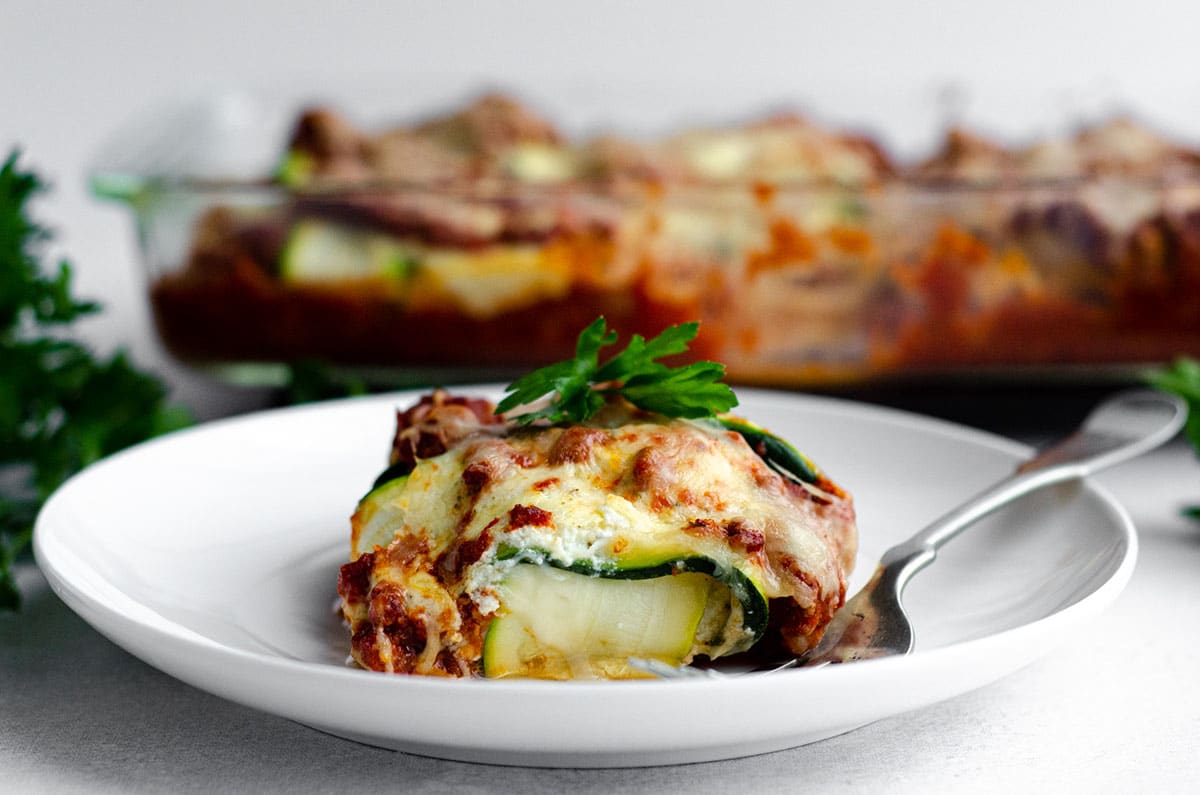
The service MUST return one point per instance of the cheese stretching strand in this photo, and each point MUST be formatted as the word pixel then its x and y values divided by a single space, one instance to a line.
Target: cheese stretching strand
pixel 559 552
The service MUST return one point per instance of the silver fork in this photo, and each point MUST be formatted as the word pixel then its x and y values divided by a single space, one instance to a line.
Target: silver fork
pixel 874 624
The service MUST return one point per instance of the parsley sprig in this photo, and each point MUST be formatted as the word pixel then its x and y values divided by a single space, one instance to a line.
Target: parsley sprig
pixel 61 407
pixel 1182 378
pixel 577 387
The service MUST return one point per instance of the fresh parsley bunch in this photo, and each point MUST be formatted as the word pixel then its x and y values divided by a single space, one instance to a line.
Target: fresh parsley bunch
pixel 577 387
pixel 61 408
pixel 1183 378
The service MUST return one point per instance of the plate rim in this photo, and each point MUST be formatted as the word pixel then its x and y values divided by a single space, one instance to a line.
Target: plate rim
pixel 112 619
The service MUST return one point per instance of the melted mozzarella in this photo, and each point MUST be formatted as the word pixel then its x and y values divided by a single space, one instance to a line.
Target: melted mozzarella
pixel 629 504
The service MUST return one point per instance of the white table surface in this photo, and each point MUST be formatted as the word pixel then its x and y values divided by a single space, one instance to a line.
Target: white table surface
pixel 1115 708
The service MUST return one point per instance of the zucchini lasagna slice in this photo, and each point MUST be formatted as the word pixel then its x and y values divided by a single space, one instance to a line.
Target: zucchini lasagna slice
pixel 562 551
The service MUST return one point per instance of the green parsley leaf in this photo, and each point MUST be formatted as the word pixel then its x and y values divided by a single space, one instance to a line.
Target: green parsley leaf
pixel 576 388
pixel 1183 378
pixel 569 382
pixel 311 380
pixel 61 407
pixel 639 355
pixel 693 391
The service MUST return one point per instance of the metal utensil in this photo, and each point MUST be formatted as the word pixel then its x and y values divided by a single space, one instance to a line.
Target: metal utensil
pixel 874 624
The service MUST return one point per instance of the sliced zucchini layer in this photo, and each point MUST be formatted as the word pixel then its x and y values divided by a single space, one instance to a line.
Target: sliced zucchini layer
pixel 672 611
pixel 774 450
pixel 295 169
pixel 482 282
pixel 558 624
pixel 394 471
pixel 375 519
pixel 320 252
pixel 743 588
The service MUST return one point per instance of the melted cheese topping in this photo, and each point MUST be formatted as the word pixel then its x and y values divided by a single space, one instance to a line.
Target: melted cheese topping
pixel 606 511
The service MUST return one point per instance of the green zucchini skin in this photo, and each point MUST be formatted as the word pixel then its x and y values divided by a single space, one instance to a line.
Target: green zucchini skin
pixel 774 450
pixel 392 478
pixel 755 611
pixel 294 169
pixel 399 470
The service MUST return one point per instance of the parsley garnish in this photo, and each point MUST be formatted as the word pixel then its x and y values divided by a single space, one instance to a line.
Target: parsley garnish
pixel 1183 378
pixel 577 387
pixel 61 408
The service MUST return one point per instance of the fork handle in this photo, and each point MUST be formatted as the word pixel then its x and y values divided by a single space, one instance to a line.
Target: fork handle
pixel 1125 426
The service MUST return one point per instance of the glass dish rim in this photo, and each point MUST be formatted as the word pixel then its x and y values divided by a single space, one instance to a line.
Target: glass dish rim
pixel 129 186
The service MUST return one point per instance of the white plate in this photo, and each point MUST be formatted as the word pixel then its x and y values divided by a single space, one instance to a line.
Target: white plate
pixel 213 555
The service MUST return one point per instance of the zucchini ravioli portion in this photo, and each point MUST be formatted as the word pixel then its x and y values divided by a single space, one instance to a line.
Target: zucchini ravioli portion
pixel 562 551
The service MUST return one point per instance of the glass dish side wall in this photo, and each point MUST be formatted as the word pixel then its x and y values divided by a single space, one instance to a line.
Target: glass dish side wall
pixel 794 286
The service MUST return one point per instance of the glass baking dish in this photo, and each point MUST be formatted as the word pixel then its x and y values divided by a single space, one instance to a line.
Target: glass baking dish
pixel 901 274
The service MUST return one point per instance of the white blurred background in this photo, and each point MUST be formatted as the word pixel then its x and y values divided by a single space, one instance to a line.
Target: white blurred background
pixel 71 73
